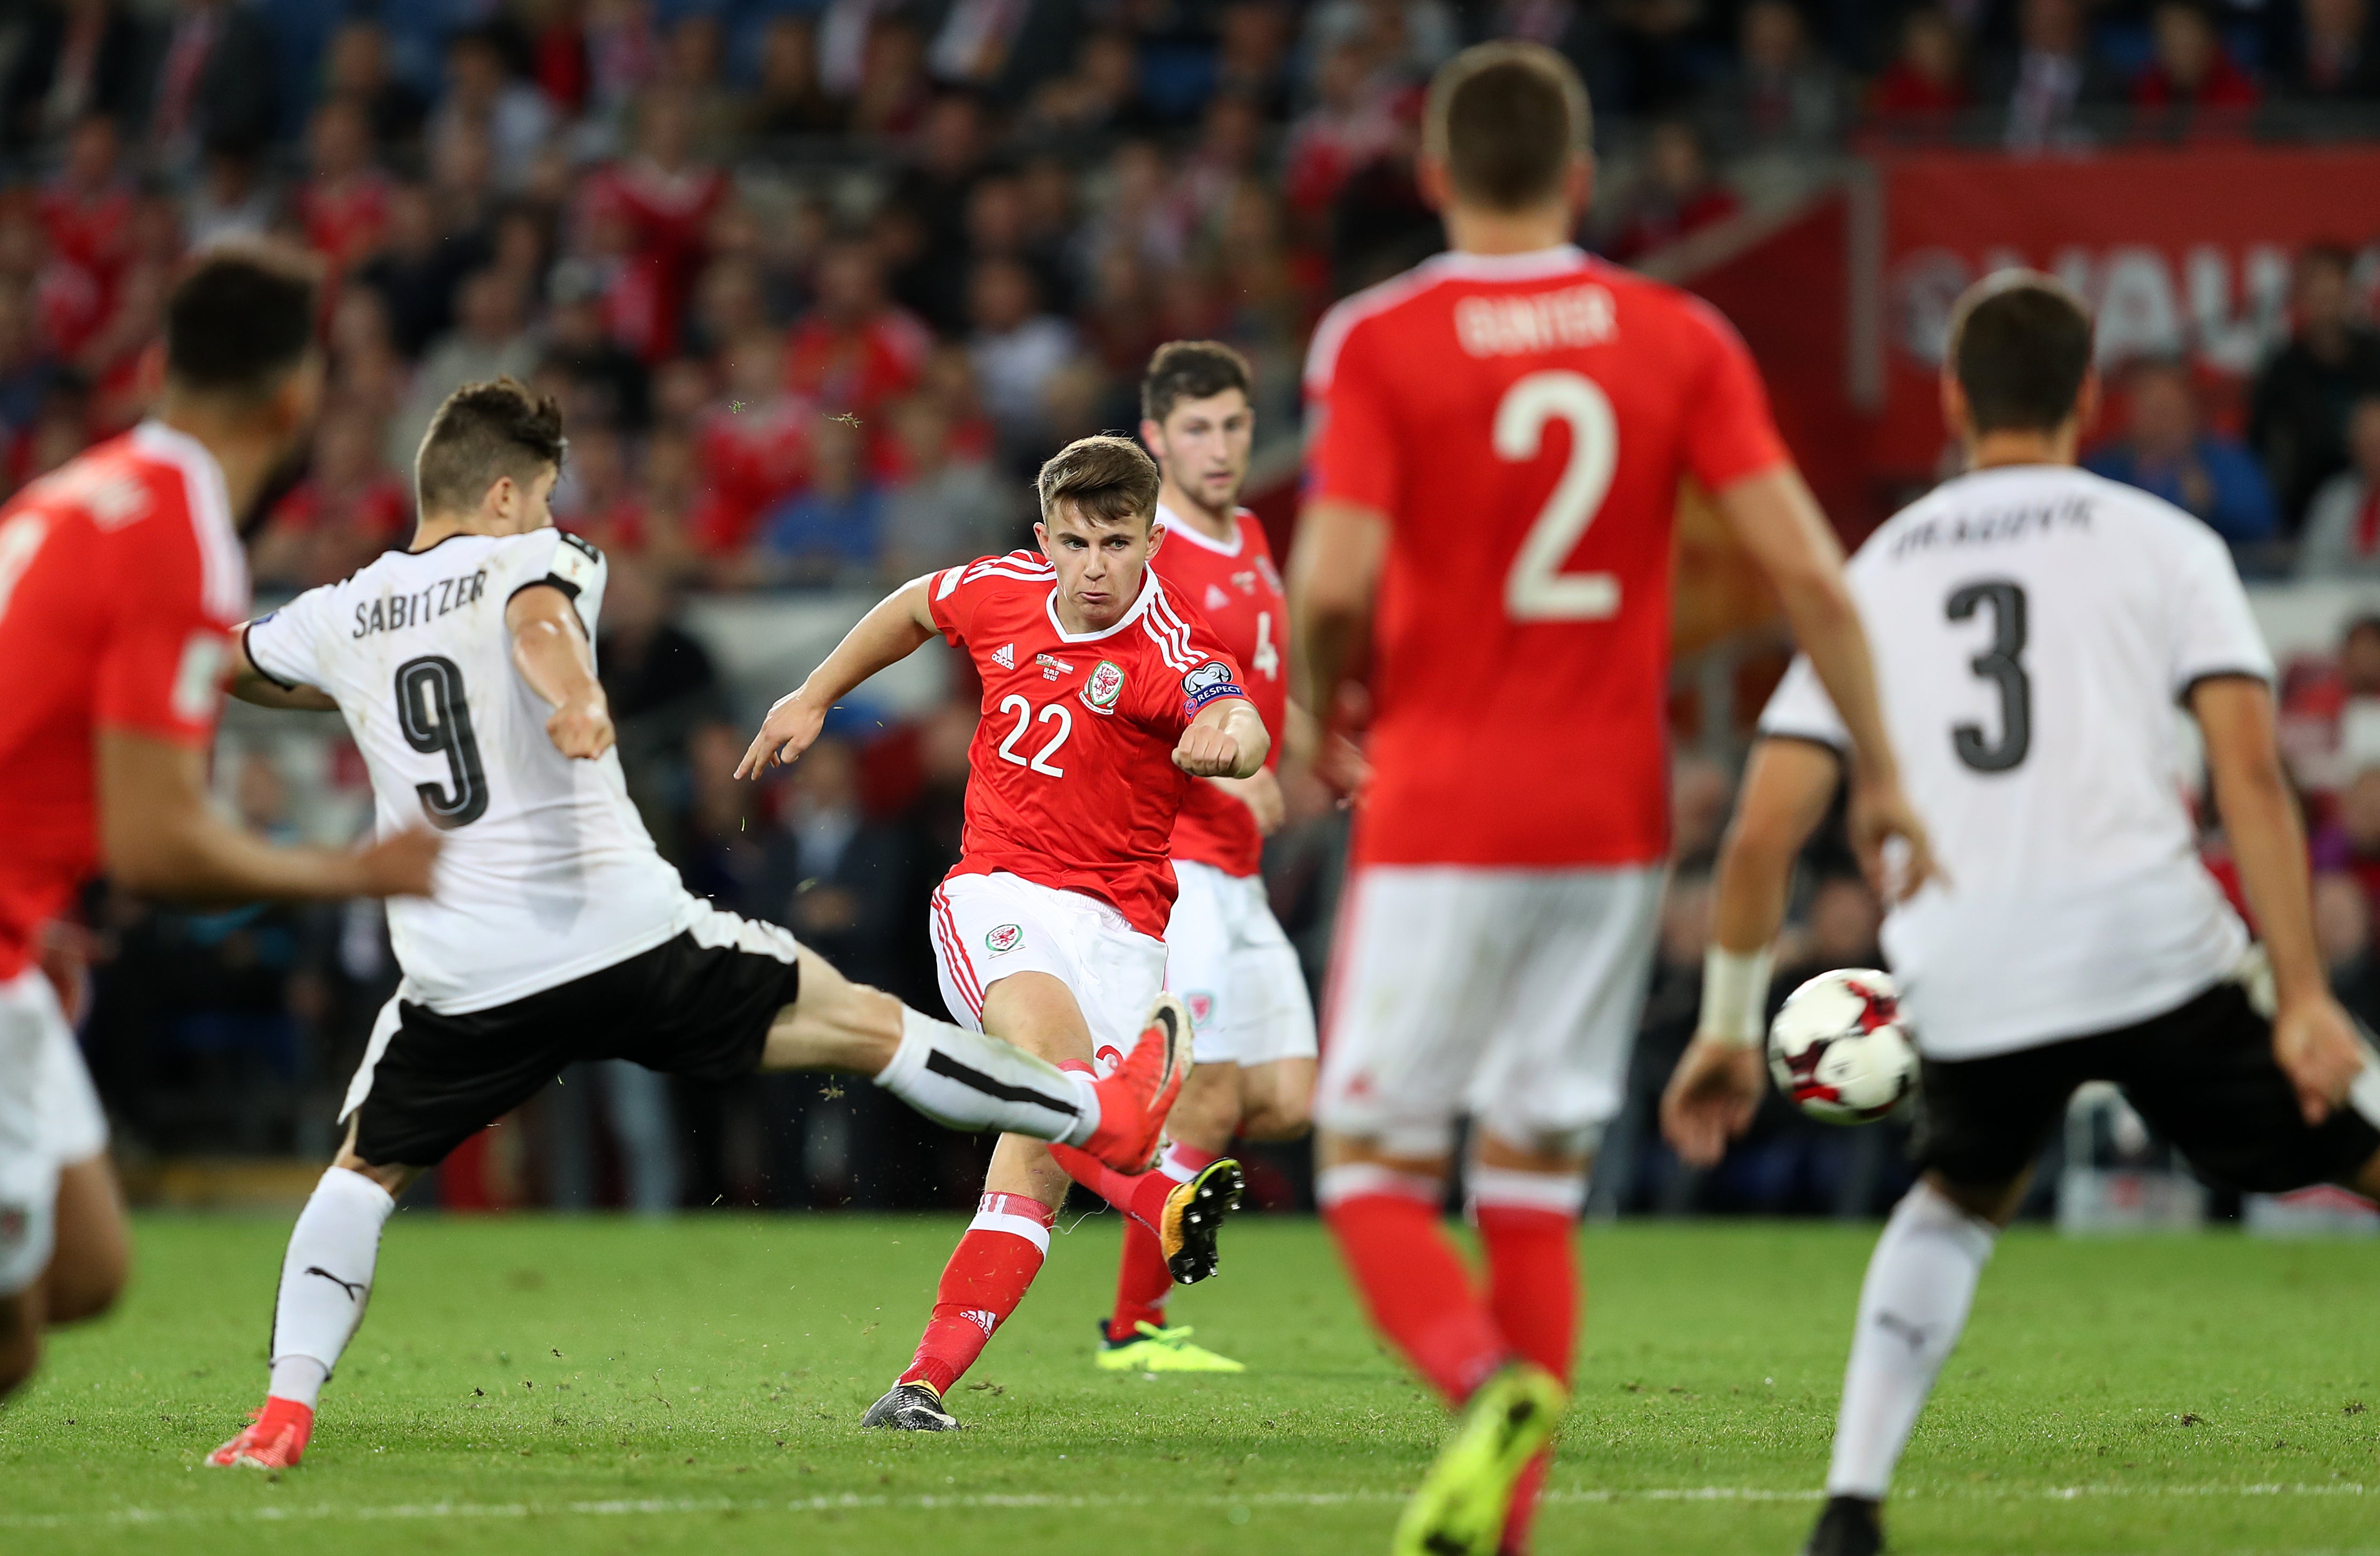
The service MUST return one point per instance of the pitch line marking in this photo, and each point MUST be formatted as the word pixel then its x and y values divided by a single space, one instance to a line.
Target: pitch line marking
pixel 626 1507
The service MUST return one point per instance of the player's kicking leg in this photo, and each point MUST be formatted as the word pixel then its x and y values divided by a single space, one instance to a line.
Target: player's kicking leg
pixel 1053 975
pixel 708 1003
pixel 1254 1078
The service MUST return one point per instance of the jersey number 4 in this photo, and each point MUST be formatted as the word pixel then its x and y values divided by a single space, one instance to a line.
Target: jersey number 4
pixel 435 717
pixel 1537 589
pixel 2003 665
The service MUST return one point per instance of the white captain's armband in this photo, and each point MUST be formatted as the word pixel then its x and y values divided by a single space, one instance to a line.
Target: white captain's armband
pixel 576 565
pixel 1735 995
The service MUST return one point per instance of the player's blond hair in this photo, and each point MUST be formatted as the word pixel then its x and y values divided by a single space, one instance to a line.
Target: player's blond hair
pixel 1506 119
pixel 1105 479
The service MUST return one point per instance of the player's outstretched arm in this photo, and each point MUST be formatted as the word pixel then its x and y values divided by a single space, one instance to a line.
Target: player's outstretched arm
pixel 901 624
pixel 1778 522
pixel 2312 1037
pixel 1716 1089
pixel 1334 573
pixel 1226 740
pixel 159 836
pixel 252 684
pixel 550 651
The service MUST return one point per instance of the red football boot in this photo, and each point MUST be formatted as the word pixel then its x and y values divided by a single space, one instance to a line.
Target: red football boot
pixel 274 1439
pixel 1134 1099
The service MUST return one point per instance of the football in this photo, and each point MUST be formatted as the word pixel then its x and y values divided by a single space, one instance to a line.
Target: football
pixel 1837 1049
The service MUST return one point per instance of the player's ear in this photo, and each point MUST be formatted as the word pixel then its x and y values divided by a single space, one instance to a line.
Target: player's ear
pixel 1041 539
pixel 1150 434
pixel 1578 183
pixel 1156 534
pixel 1430 177
pixel 1954 405
pixel 2087 401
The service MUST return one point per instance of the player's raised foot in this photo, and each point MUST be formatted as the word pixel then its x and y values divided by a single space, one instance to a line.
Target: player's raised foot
pixel 910 1408
pixel 1152 1349
pixel 1193 1218
pixel 1134 1098
pixel 1849 1527
pixel 1460 1509
pixel 274 1438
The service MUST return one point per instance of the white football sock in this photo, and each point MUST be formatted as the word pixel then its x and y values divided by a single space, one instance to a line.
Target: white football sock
pixel 971 1082
pixel 1913 1307
pixel 326 1279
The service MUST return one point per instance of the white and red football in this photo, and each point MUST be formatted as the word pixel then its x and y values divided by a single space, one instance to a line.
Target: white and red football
pixel 1837 1049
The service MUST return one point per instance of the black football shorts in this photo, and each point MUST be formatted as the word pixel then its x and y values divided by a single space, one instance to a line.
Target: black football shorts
pixel 2202 1075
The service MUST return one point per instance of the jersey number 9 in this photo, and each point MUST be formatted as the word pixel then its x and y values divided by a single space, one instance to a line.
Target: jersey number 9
pixel 434 715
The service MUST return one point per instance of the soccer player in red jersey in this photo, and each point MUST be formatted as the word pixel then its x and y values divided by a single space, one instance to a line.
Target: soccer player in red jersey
pixel 1500 438
pixel 1252 1021
pixel 1104 702
pixel 121 575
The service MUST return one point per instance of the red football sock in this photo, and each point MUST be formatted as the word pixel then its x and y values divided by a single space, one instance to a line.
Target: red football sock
pixel 1142 1281
pixel 1412 1280
pixel 1533 1290
pixel 985 1279
pixel 1141 1196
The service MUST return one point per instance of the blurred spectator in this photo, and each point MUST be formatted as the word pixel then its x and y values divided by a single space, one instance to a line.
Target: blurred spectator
pixel 86 216
pixel 609 383
pixel 2297 420
pixel 1406 38
pixel 1781 95
pixel 891 86
pixel 622 52
pixel 349 509
pixel 2167 452
pixel 1675 195
pixel 790 100
pixel 1923 91
pixel 230 199
pixel 25 368
pixel 945 510
pixel 1352 125
pixel 692 71
pixel 833 877
pixel 2349 844
pixel 597 494
pixel 355 67
pixel 755 447
pixel 2335 59
pixel 662 201
pixel 343 205
pixel 1252 54
pixel 1016 348
pixel 2190 79
pixel 1099 95
pixel 214 84
pixel 1006 47
pixel 488 339
pixel 73 59
pixel 2048 83
pixel 2342 524
pixel 662 688
pixel 486 98
pixel 417 269
pixel 854 351
pixel 2342 927
pixel 830 531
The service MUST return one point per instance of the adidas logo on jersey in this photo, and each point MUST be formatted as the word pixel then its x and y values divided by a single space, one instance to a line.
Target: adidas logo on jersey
pixel 981 1320
pixel 1216 598
pixel 1005 656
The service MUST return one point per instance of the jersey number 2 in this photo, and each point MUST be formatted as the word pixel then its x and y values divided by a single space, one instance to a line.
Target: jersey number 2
pixel 431 712
pixel 1537 589
pixel 2002 665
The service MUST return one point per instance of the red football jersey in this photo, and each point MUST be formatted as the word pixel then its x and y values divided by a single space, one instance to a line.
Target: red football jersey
pixel 1071 782
pixel 1525 422
pixel 1238 590
pixel 120 577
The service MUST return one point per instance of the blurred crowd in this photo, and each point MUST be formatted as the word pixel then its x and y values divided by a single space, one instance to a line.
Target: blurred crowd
pixel 820 282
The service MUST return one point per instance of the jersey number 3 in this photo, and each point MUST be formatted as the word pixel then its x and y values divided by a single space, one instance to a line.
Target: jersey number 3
pixel 1537 589
pixel 432 712
pixel 2002 665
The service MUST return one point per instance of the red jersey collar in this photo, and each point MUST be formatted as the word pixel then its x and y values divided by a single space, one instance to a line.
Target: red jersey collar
pixel 1535 265
pixel 1181 529
pixel 1148 592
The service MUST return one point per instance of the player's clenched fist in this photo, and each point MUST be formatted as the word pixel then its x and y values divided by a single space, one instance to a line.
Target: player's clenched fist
pixel 793 723
pixel 581 730
pixel 1206 751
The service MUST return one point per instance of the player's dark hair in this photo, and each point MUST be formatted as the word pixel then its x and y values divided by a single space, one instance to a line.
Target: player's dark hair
pixel 1105 479
pixel 2020 346
pixel 240 320
pixel 485 431
pixel 1191 369
pixel 1506 119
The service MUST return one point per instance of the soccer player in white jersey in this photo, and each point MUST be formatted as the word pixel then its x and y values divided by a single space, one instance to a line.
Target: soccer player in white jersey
pixel 2035 626
pixel 465 670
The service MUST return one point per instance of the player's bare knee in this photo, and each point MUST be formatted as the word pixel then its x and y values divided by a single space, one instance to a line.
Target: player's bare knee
pixel 87 1288
pixel 20 1339
pixel 1275 1119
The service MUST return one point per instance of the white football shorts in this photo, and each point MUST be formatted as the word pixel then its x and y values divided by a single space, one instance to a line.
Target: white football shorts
pixel 50 1118
pixel 1228 959
pixel 1511 996
pixel 988 927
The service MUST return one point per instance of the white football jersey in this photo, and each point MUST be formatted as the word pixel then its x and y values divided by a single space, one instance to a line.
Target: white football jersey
pixel 2036 632
pixel 548 874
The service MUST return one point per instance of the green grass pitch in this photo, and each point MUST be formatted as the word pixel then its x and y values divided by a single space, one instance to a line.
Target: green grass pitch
pixel 532 1385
